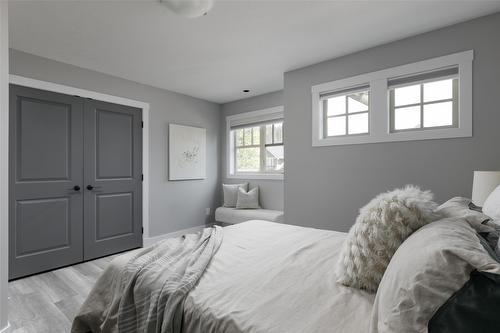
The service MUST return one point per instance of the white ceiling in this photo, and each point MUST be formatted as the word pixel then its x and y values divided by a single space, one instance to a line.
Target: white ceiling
pixel 238 45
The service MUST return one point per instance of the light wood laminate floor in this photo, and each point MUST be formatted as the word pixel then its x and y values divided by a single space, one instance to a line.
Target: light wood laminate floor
pixel 47 302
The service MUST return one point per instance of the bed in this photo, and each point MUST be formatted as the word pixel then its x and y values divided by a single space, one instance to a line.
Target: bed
pixel 264 277
pixel 256 282
pixel 270 277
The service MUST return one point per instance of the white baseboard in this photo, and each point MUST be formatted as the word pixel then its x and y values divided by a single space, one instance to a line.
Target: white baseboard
pixel 151 240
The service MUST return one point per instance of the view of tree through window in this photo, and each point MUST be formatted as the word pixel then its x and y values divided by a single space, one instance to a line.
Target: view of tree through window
pixel 259 149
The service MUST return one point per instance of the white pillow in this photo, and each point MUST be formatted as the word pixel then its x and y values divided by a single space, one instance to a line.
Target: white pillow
pixel 248 200
pixel 382 225
pixel 458 207
pixel 426 270
pixel 231 193
pixel 491 206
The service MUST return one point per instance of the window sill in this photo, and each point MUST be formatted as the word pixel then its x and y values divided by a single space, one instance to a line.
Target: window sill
pixel 427 134
pixel 263 176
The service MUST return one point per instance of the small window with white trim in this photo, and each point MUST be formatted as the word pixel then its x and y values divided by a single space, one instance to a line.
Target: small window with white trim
pixel 346 112
pixel 428 99
pixel 256 144
pixel 424 101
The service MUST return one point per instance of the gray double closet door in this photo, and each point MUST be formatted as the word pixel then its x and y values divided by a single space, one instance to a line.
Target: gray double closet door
pixel 75 180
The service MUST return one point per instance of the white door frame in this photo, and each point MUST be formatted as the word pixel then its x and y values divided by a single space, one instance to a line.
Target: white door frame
pixel 68 90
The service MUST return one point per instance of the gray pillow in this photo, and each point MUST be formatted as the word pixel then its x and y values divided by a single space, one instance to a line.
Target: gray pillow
pixel 459 207
pixel 248 200
pixel 426 270
pixel 231 193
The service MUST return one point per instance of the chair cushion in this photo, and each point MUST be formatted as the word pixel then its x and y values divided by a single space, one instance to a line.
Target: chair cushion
pixel 233 215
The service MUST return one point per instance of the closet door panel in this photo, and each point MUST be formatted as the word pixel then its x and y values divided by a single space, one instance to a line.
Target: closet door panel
pixel 113 178
pixel 46 163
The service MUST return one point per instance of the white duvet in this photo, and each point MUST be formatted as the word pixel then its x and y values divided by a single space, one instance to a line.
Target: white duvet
pixel 269 277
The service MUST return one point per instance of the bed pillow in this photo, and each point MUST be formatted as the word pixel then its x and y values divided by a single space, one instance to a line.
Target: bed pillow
pixel 231 193
pixel 382 225
pixel 493 238
pixel 491 206
pixel 248 200
pixel 426 270
pixel 459 207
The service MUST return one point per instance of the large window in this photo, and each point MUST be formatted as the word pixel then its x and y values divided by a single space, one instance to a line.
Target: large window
pixel 255 144
pixel 430 99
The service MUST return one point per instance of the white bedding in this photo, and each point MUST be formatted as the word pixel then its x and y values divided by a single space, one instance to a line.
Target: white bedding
pixel 270 277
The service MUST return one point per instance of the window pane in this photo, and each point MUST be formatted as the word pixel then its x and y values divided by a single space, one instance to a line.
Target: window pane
pixel 248 159
pixel 239 137
pixel 336 105
pixel 435 91
pixel 358 123
pixel 256 135
pixel 275 160
pixel 438 114
pixel 406 118
pixel 358 102
pixel 269 134
pixel 407 95
pixel 336 126
pixel 247 136
pixel 278 133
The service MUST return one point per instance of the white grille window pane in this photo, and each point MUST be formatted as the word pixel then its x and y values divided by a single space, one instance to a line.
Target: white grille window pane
pixel 278 133
pixel 248 159
pixel 336 126
pixel 256 135
pixel 358 123
pixel 439 90
pixel 247 135
pixel 438 114
pixel 357 102
pixel 275 158
pixel 336 105
pixel 407 95
pixel 269 134
pixel 239 137
pixel 407 118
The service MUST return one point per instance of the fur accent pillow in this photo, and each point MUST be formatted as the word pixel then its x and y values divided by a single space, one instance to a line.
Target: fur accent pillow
pixel 382 225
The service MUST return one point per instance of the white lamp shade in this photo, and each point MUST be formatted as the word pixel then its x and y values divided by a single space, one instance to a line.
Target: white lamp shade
pixel 484 183
pixel 189 8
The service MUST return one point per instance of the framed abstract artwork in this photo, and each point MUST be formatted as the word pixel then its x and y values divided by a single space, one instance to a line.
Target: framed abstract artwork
pixel 187 152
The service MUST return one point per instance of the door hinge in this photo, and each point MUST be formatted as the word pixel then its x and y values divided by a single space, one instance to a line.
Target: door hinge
pixel 142 124
pixel 142 230
pixel 142 177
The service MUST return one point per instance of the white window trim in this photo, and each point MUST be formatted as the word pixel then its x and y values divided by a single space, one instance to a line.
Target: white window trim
pixel 230 145
pixel 379 105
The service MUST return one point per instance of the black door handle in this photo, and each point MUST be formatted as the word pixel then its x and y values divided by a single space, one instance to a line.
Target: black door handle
pixel 90 187
pixel 76 188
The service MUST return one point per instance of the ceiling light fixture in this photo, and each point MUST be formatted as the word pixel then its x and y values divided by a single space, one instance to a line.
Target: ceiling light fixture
pixel 189 8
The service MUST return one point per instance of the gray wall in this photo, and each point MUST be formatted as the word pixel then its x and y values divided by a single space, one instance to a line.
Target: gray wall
pixel 4 163
pixel 271 191
pixel 174 205
pixel 325 186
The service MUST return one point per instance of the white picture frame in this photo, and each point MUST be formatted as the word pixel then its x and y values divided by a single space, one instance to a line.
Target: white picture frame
pixel 187 152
